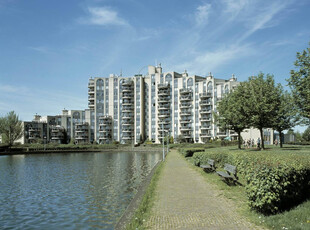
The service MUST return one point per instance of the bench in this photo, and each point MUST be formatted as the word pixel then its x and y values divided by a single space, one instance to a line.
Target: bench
pixel 230 175
pixel 209 167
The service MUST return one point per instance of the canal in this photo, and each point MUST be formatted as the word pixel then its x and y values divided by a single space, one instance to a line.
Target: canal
pixel 69 191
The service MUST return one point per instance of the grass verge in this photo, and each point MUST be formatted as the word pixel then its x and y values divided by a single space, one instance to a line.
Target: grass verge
pixel 298 218
pixel 144 209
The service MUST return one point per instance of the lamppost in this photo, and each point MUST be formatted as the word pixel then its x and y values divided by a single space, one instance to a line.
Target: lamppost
pixel 44 143
pixel 163 134
pixel 168 135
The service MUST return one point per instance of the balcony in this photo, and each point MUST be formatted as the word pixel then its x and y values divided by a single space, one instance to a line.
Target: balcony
pixel 205 119
pixel 187 136
pixel 185 106
pixel 105 130
pixel 185 98
pixel 127 83
pixel 163 100
pixel 184 121
pixel 127 115
pixel 127 130
pixel 127 137
pixel 186 128
pixel 204 103
pixel 205 95
pixel 127 109
pixel 205 135
pixel 163 107
pixel 185 91
pixel 203 111
pixel 163 86
pixel 185 113
pixel 205 127
pixel 163 115
pixel 163 93
pixel 161 122
pixel 127 96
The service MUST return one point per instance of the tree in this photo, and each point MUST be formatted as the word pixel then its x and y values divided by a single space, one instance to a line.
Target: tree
pixel 286 116
pixel 231 112
pixel 299 83
pixel 261 102
pixel 11 128
pixel 306 134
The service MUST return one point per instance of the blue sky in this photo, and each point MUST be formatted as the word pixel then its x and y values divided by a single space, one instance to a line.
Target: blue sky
pixel 49 49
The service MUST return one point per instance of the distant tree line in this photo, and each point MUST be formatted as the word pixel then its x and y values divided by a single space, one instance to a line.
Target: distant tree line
pixel 260 103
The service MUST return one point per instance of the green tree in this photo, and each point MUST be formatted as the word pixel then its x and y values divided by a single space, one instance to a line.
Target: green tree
pixel 286 116
pixel 11 128
pixel 261 102
pixel 231 112
pixel 299 83
pixel 306 134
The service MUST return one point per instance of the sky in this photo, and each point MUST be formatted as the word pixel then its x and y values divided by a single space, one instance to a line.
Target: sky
pixel 50 49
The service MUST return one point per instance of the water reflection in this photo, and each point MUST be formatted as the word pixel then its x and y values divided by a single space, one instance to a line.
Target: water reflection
pixel 69 191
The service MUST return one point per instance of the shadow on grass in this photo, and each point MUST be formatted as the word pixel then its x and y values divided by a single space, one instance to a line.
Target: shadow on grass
pixel 291 148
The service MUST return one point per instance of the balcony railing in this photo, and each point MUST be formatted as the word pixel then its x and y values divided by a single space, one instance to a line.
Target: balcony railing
pixel 186 128
pixel 162 86
pixel 185 91
pixel 205 95
pixel 185 98
pixel 205 111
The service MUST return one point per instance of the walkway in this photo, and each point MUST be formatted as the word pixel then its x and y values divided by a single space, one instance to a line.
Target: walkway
pixel 186 201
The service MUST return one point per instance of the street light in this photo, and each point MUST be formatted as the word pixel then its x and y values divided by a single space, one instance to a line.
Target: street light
pixel 163 141
pixel 44 143
pixel 168 140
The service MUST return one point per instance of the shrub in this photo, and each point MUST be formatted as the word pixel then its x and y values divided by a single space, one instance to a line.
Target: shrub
pixel 201 158
pixel 188 152
pixel 274 181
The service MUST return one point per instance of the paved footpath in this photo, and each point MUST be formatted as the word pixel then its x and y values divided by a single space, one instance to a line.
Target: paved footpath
pixel 184 200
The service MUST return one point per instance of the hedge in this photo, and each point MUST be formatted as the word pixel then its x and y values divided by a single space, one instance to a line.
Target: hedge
pixel 188 152
pixel 274 182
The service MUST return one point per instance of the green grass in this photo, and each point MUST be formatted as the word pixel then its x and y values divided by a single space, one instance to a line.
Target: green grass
pixel 144 210
pixel 297 218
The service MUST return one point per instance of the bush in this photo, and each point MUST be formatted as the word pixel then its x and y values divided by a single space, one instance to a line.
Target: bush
pixel 271 189
pixel 188 152
pixel 274 182
pixel 201 158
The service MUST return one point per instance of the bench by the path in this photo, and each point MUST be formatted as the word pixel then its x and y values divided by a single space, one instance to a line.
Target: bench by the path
pixel 209 167
pixel 230 174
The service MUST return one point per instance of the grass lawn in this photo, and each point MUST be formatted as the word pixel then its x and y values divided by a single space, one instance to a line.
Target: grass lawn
pixel 298 218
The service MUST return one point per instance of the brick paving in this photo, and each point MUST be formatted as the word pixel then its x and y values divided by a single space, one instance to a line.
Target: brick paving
pixel 184 200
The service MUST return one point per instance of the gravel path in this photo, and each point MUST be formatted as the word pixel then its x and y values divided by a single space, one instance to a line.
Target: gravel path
pixel 184 200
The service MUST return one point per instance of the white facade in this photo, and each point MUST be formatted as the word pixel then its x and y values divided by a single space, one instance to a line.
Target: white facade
pixel 157 104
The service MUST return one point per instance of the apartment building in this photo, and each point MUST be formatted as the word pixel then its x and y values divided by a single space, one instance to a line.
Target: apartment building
pixel 71 125
pixel 156 105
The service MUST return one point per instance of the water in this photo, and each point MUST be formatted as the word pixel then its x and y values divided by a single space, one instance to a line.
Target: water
pixel 69 191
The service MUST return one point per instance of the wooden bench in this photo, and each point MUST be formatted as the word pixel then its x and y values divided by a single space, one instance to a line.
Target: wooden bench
pixel 209 167
pixel 230 175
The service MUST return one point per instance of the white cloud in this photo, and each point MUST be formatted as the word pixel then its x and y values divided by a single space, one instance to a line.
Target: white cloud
pixel 12 89
pixel 234 7
pixel 211 60
pixel 103 16
pixel 40 49
pixel 202 14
